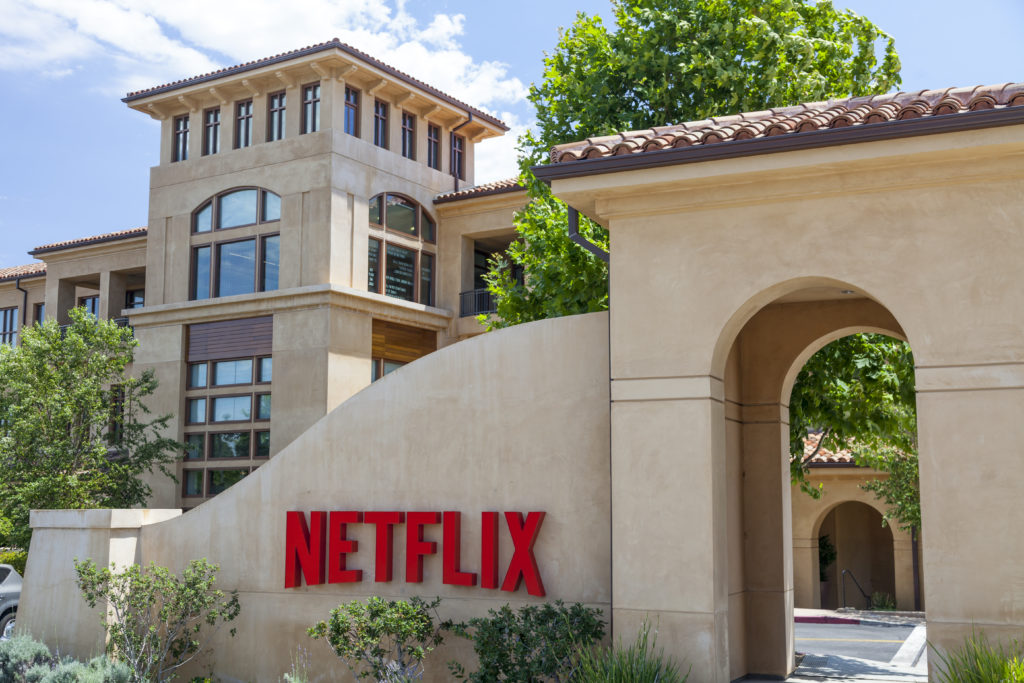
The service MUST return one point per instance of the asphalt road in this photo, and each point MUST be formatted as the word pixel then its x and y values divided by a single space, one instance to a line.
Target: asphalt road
pixel 877 643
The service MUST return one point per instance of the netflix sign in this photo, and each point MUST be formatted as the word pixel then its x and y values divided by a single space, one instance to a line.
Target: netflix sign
pixel 317 548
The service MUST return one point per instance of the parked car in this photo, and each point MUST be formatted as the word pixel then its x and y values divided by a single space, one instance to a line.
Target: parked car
pixel 10 591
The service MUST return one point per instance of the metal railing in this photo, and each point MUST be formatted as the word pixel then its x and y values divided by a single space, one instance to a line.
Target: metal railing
pixel 867 598
pixel 120 322
pixel 475 302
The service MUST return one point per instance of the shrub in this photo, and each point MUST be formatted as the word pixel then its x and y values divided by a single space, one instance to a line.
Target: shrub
pixel 383 640
pixel 24 660
pixel 152 618
pixel 19 654
pixel 882 601
pixel 537 643
pixel 980 662
pixel 15 558
pixel 634 663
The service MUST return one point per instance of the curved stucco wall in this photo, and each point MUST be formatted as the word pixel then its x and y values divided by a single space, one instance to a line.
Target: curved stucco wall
pixel 515 420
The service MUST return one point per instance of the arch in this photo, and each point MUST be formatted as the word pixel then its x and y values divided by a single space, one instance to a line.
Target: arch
pixel 236 207
pixel 816 524
pixel 418 224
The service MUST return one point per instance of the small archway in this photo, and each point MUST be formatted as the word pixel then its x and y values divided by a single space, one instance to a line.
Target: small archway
pixel 863 567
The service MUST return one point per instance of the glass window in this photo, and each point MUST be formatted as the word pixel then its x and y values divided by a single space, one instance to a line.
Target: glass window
pixel 229 445
pixel 375 210
pixel 197 375
pixel 373 267
pixel 275 119
pixel 9 326
pixel 243 124
pixel 262 445
pixel 236 208
pixel 263 407
pixel 311 108
pixel 40 313
pixel 434 147
pixel 195 443
pixel 193 482
pixel 91 304
pixel 236 268
pixel 428 226
pixel 135 298
pixel 400 272
pixel 266 370
pixel 204 219
pixel 221 480
pixel 196 410
pixel 383 367
pixel 180 148
pixel 201 273
pixel 380 124
pixel 271 207
pixel 231 409
pixel 400 215
pixel 232 372
pixel 426 279
pixel 458 154
pixel 211 131
pixel 408 135
pixel 352 111
pixel 270 265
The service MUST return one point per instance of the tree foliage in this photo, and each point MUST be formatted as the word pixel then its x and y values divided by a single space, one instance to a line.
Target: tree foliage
pixel 665 62
pixel 154 620
pixel 73 425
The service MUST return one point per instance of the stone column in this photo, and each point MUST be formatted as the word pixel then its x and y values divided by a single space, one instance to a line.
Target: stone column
pixel 903 569
pixel 113 287
pixel 806 586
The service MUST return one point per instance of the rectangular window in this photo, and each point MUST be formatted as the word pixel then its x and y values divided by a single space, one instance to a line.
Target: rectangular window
pixel 270 262
pixel 222 480
pixel 197 375
pixel 434 146
pixel 262 445
pixel 39 313
pixel 196 446
pixel 408 135
pixel 201 273
pixel 380 123
pixel 231 408
pixel 91 304
pixel 196 411
pixel 426 279
pixel 243 124
pixel 211 131
pixel 276 114
pixel 311 108
pixel 400 272
pixel 227 372
pixel 180 146
pixel 9 326
pixel 352 111
pixel 236 268
pixel 135 298
pixel 229 445
pixel 429 230
pixel 458 153
pixel 373 267
pixel 236 209
pixel 263 406
pixel 192 483
pixel 265 373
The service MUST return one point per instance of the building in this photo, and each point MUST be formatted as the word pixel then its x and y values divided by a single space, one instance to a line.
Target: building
pixel 314 210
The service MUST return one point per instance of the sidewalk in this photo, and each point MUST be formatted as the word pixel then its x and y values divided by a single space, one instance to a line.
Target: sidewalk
pixel 848 615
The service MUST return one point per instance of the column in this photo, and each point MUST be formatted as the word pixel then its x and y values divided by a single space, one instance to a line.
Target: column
pixel 806 584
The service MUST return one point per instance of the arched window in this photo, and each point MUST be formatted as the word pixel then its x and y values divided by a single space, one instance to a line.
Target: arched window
pixel 239 263
pixel 401 249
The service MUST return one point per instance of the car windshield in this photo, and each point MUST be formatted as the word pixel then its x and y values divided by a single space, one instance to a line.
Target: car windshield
pixel 4 573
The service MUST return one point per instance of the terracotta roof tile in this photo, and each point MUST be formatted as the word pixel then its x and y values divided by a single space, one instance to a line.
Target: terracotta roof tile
pixel 825 456
pixel 331 44
pixel 814 116
pixel 497 187
pixel 95 239
pixel 27 270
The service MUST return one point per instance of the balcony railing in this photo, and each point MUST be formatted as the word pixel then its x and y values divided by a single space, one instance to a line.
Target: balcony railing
pixel 120 322
pixel 475 302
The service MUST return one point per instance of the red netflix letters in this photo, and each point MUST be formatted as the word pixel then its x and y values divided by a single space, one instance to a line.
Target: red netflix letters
pixel 320 549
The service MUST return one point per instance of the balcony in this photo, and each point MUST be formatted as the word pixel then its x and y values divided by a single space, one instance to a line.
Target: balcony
pixel 475 302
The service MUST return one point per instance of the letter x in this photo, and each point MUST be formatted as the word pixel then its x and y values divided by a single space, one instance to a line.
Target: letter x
pixel 523 565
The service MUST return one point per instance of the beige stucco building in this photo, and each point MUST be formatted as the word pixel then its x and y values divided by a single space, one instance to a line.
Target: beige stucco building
pixel 653 437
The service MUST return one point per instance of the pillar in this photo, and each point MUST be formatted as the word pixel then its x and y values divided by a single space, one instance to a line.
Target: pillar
pixel 806 583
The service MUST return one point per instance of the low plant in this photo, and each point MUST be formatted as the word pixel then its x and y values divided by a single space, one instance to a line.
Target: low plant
pixel 535 643
pixel 637 662
pixel 882 601
pixel 154 620
pixel 16 558
pixel 383 640
pixel 300 668
pixel 25 660
pixel 978 661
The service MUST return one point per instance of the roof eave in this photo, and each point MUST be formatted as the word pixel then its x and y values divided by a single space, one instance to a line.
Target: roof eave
pixel 86 243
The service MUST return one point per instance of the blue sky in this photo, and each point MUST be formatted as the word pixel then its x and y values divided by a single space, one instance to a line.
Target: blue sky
pixel 74 160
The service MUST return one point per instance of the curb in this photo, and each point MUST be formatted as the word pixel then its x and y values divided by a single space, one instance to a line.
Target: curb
pixel 822 619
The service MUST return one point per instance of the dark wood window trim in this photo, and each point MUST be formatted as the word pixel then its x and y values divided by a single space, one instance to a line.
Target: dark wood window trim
pixel 209 447
pixel 256 407
pixel 205 447
pixel 179 141
pixel 408 135
pixel 211 131
pixel 434 146
pixel 277 109
pixel 311 108
pixel 214 203
pixel 420 213
pixel 206 410
pixel 351 111
pixel 256 372
pixel 458 156
pixel 90 301
pixel 243 124
pixel 380 123
pixel 212 371
pixel 381 287
pixel 209 477
pixel 39 312
pixel 9 325
pixel 214 285
pixel 184 482
pixel 212 397
pixel 255 441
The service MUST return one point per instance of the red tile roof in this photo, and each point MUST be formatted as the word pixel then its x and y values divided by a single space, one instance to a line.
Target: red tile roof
pixel 825 456
pixel 27 270
pixel 95 239
pixel 497 187
pixel 331 44
pixel 815 116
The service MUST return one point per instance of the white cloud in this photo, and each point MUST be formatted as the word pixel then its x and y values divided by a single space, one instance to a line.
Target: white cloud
pixel 496 158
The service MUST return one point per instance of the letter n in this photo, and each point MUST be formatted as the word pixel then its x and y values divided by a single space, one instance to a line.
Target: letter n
pixel 304 548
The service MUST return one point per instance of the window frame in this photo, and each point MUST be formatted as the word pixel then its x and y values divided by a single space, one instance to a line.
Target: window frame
pixel 311 106
pixel 208 476
pixel 380 123
pixel 184 481
pixel 214 204
pixel 39 312
pixel 206 409
pixel 458 156
pixel 434 146
pixel 212 371
pixel 213 397
pixel 408 135
pixel 89 298
pixel 277 129
pixel 243 122
pixel 351 105
pixel 179 138
pixel 211 131
pixel 209 444
pixel 420 211
pixel 9 325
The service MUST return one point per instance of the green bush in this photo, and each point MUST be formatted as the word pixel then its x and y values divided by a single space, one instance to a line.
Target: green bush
pixel 25 660
pixel 980 662
pixel 882 601
pixel 637 662
pixel 15 558
pixel 537 643
pixel 19 654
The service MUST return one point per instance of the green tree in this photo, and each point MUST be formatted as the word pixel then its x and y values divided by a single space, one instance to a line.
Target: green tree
pixel 667 61
pixel 74 430
pixel 154 620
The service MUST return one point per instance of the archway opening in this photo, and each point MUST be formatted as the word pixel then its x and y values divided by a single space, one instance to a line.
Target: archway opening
pixel 859 570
